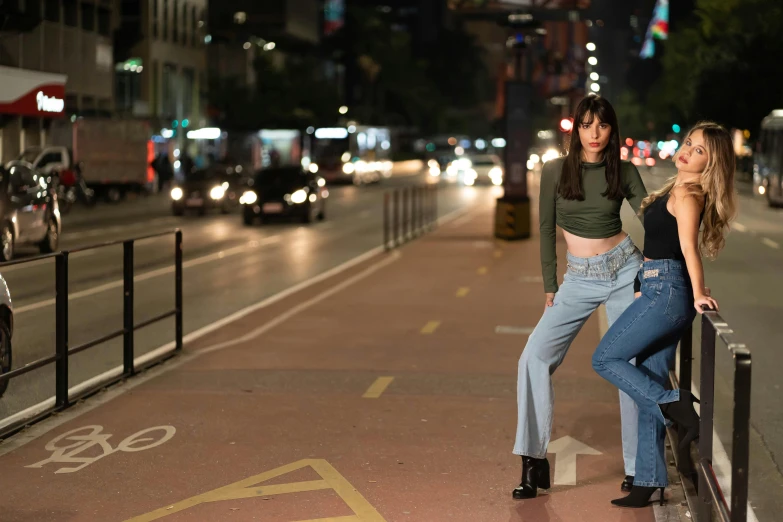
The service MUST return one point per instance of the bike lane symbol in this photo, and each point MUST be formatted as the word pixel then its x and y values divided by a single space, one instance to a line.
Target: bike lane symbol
pixel 91 438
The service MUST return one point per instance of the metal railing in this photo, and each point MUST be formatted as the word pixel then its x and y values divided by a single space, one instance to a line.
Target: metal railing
pixel 408 213
pixel 63 350
pixel 709 499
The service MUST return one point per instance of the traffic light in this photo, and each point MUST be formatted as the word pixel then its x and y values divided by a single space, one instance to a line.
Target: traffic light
pixel 185 123
pixel 676 128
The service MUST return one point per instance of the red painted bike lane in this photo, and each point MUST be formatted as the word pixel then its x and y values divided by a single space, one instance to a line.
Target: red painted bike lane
pixel 386 392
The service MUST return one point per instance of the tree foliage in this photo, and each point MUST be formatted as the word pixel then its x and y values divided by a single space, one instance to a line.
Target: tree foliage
pixel 725 65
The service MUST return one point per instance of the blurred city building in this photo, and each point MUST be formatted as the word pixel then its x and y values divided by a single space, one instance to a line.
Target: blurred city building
pixel 160 62
pixel 239 31
pixel 57 58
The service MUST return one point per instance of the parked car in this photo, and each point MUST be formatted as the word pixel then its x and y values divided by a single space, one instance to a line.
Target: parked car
pixel 217 187
pixel 285 192
pixel 6 332
pixel 29 210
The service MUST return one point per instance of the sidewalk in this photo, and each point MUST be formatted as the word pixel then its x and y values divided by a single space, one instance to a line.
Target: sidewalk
pixel 387 392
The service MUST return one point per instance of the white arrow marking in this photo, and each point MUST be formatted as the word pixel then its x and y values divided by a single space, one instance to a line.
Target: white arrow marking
pixel 566 449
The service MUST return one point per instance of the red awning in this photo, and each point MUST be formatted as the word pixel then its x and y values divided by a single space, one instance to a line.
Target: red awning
pixel 32 93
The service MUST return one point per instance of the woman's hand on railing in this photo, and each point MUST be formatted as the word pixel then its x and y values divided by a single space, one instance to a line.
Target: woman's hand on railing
pixel 704 303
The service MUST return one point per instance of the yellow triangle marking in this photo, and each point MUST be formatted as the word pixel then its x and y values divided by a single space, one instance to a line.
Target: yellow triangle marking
pixel 252 487
pixel 378 387
pixel 482 270
pixel 462 292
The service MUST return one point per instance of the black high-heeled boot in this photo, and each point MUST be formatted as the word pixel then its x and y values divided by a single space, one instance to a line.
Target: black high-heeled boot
pixel 535 474
pixel 627 484
pixel 639 497
pixel 683 413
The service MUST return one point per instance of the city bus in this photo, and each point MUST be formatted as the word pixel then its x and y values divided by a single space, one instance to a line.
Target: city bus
pixel 768 159
pixel 353 154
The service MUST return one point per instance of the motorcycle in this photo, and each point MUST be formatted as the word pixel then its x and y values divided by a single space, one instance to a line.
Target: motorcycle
pixel 71 189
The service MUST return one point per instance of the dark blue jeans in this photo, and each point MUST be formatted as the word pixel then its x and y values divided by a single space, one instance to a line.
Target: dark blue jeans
pixel 649 331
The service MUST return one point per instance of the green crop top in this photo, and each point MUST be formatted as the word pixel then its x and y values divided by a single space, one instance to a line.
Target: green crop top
pixel 596 217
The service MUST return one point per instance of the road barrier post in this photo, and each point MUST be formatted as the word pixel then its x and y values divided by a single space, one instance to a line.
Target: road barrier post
pixel 706 413
pixel 396 221
pixel 127 308
pixel 685 371
pixel 178 334
pixel 386 224
pixel 405 214
pixel 61 330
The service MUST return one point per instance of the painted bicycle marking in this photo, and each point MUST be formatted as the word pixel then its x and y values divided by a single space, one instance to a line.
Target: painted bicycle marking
pixel 90 438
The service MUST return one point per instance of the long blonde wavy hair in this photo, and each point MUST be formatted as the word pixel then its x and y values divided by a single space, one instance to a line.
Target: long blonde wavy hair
pixel 715 188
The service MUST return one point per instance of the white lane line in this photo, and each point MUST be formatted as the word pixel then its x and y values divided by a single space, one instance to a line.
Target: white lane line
pixel 770 243
pixel 739 227
pixel 154 273
pixel 40 429
pixel 33 264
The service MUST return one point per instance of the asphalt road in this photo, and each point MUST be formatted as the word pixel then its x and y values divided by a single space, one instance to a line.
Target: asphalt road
pixel 227 267
pixel 746 281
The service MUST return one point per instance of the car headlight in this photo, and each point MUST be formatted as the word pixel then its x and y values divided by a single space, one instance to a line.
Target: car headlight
pixel 321 182
pixel 176 193
pixel 435 171
pixel 248 198
pixel 300 196
pixel 348 168
pixel 313 167
pixel 495 172
pixel 217 192
pixel 470 173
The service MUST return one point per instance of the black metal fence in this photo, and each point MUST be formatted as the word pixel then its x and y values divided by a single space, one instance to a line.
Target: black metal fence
pixel 408 213
pixel 63 350
pixel 696 468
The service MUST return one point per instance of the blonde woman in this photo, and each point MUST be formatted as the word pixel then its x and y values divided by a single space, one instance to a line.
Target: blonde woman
pixel 671 281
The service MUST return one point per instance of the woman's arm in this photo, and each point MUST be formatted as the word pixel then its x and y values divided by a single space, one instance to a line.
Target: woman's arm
pixel 547 216
pixel 687 210
pixel 634 187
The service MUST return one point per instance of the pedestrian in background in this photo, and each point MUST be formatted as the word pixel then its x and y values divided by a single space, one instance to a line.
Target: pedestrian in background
pixel 582 193
pixel 671 292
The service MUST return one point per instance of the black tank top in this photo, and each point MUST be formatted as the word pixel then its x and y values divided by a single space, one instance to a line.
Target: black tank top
pixel 661 237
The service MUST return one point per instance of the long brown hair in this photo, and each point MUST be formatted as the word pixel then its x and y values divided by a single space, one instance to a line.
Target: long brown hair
pixel 715 187
pixel 570 186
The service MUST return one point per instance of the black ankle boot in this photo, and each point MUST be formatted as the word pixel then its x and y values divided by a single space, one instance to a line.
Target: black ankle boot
pixel 684 414
pixel 535 474
pixel 639 497
pixel 627 484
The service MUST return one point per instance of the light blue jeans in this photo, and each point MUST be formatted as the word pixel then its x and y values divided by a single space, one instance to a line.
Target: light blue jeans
pixel 649 331
pixel 589 282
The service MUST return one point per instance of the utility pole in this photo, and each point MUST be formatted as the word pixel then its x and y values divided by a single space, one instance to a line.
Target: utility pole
pixel 512 213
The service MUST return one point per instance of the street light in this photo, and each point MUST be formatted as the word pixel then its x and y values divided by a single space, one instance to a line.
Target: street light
pixel 590 46
pixel 343 110
pixel 592 60
pixel 594 76
pixel 595 87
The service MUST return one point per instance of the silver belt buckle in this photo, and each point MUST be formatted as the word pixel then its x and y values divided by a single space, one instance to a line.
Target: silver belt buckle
pixel 650 273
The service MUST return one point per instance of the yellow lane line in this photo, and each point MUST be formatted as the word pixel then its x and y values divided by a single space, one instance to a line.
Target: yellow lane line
pixel 498 253
pixel 378 387
pixel 430 327
pixel 463 291
pixel 482 270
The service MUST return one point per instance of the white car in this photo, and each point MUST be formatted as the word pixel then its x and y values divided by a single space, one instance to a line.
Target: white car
pixel 6 330
pixel 478 169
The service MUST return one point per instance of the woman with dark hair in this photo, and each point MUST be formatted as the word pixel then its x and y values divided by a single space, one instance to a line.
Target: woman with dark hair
pixel 582 193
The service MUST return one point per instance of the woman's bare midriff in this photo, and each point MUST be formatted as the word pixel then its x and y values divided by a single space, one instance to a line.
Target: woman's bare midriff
pixel 585 247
